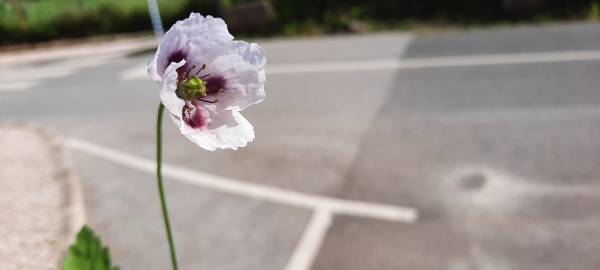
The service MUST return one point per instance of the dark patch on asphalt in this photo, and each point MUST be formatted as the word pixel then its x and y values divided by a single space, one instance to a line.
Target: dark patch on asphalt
pixel 473 181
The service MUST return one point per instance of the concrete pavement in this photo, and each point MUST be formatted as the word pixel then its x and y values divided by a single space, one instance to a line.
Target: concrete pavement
pixel 499 158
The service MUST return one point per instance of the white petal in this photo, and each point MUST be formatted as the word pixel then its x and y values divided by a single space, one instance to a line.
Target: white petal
pixel 153 68
pixel 195 36
pixel 242 64
pixel 227 130
pixel 167 90
pixel 200 40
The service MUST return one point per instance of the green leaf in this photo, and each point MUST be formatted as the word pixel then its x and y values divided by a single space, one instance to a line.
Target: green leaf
pixel 87 253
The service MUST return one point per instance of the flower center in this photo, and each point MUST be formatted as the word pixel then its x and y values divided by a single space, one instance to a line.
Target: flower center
pixel 196 87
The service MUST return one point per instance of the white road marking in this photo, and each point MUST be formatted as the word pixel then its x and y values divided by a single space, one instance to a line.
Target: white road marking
pixel 82 51
pixel 16 86
pixel 71 58
pixel 25 78
pixel 311 241
pixel 436 62
pixel 135 73
pixel 139 72
pixel 323 207
pixel 53 70
pixel 261 192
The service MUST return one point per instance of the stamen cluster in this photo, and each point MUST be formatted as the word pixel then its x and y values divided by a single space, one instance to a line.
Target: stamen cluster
pixel 193 87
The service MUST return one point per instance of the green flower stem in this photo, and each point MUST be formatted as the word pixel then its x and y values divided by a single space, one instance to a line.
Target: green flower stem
pixel 161 191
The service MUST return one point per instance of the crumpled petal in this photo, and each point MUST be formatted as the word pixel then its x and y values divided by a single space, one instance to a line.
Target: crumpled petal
pixel 168 97
pixel 242 65
pixel 195 36
pixel 227 130
pixel 237 67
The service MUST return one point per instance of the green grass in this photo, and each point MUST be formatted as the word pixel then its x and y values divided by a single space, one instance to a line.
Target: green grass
pixel 41 11
pixel 38 20
pixel 594 12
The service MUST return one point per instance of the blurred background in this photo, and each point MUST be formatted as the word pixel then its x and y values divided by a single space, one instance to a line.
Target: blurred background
pixel 459 135
pixel 42 20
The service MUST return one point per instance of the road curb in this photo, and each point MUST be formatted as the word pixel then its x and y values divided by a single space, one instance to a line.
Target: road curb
pixel 66 171
pixel 69 208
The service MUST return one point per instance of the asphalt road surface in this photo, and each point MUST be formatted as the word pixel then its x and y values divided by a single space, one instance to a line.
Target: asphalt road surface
pixel 491 136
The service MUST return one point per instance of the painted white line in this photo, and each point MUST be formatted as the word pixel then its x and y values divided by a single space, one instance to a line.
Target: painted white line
pixel 261 192
pixel 139 72
pixel 436 62
pixel 26 78
pixel 344 66
pixel 32 74
pixel 60 69
pixel 311 241
pixel 135 73
pixel 121 46
pixel 16 86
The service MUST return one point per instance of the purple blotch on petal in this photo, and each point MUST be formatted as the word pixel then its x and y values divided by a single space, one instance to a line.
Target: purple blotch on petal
pixel 214 84
pixel 194 116
pixel 175 57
